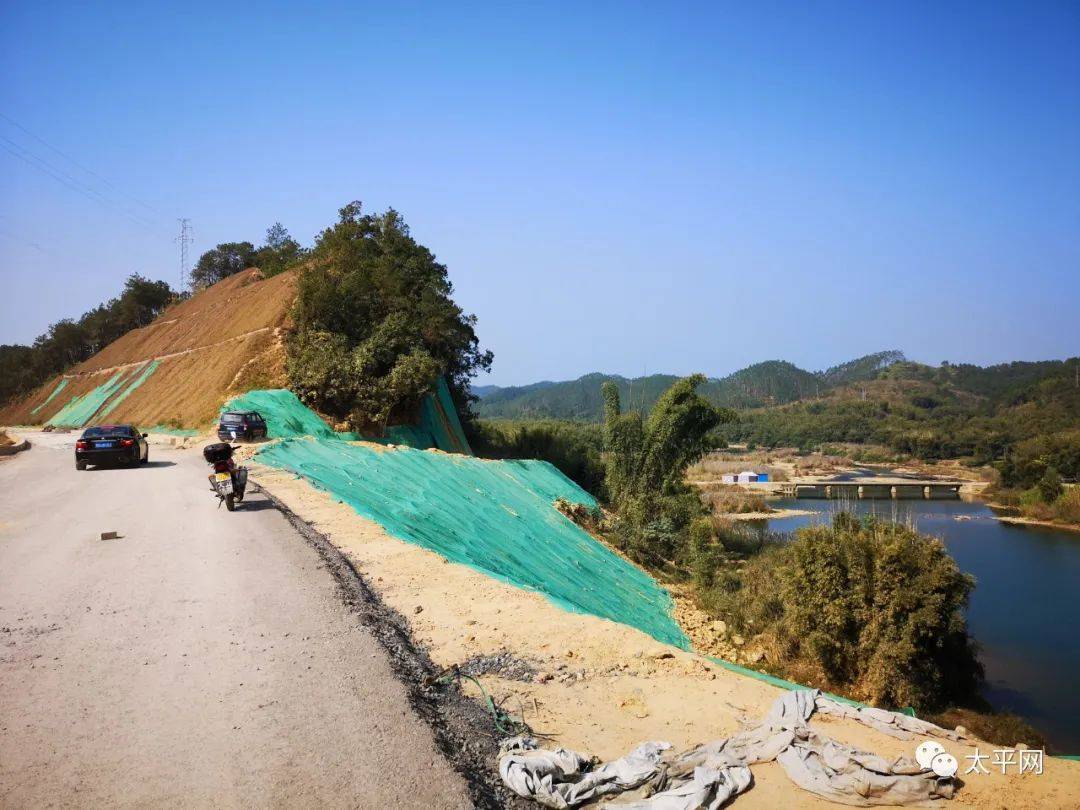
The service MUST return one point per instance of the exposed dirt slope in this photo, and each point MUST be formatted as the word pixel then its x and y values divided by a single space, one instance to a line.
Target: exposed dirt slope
pixel 219 342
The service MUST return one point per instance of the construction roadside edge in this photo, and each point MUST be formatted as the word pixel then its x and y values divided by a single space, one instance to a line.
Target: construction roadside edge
pixel 463 729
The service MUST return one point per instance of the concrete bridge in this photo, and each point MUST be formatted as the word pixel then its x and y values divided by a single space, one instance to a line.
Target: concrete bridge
pixel 905 489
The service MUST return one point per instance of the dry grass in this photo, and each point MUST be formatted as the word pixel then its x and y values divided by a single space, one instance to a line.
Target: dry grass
pixel 728 499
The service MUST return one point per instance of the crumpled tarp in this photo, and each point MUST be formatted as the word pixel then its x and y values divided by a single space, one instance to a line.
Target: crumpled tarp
pixel 563 779
pixel 708 776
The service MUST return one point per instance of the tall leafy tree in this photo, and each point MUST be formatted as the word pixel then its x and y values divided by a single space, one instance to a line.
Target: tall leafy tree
pixel 279 252
pixel 645 463
pixel 220 262
pixel 375 324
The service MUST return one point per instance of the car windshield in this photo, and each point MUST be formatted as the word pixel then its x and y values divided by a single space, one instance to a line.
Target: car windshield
pixel 108 430
pixel 232 419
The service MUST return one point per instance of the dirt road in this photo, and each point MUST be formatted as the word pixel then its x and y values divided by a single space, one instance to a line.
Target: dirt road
pixel 200 659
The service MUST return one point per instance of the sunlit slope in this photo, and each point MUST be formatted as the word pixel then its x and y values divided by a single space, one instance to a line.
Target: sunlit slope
pixel 179 369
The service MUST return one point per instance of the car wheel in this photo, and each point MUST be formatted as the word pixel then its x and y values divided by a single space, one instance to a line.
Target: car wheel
pixel 80 465
pixel 146 456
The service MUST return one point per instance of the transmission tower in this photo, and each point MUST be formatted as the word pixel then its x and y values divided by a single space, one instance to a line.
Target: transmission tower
pixel 184 239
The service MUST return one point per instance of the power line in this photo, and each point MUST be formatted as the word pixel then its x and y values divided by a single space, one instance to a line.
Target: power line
pixel 65 179
pixel 74 162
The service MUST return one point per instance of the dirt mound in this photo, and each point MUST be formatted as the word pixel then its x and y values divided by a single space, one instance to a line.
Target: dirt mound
pixel 179 369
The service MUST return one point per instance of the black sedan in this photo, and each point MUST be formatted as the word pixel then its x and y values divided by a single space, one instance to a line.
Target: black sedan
pixel 111 444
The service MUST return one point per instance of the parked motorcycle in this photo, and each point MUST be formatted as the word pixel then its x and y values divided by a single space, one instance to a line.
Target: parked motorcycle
pixel 228 481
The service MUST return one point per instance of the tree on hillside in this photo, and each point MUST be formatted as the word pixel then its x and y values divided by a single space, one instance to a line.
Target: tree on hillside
pixel 375 324
pixel 279 252
pixel 225 260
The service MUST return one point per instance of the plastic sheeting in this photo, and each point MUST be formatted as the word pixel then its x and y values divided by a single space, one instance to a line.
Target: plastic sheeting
pixel 710 775
pixel 497 517
pixel 287 417
pixel 81 409
pixel 143 374
pixel 60 387
pixel 101 401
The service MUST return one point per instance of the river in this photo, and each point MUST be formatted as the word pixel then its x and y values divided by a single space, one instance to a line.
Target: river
pixel 1024 609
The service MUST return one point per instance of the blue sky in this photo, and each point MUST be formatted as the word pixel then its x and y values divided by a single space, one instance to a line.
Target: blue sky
pixel 623 187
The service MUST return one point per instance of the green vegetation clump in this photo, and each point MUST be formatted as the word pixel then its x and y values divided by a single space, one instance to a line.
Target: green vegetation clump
pixel 646 460
pixel 375 325
pixel 69 342
pixel 867 608
pixel 1029 461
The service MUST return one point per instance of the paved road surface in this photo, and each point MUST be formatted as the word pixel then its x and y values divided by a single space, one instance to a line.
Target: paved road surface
pixel 202 659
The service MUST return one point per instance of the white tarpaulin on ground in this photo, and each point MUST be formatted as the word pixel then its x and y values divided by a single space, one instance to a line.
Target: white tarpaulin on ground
pixel 710 775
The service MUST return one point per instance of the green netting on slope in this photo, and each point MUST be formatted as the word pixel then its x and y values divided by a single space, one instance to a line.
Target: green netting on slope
pixel 81 409
pixel 439 418
pixel 494 516
pixel 146 371
pixel 286 416
pixel 57 390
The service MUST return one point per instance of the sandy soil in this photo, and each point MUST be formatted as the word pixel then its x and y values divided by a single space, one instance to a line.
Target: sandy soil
pixel 1049 524
pixel 773 514
pixel 597 686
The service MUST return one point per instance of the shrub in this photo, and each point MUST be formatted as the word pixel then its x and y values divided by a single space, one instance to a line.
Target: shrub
pixel 1049 486
pixel 646 460
pixel 870 608
pixel 1067 506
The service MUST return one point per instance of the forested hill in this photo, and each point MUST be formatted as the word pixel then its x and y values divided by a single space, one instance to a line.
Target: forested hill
pixel 773 382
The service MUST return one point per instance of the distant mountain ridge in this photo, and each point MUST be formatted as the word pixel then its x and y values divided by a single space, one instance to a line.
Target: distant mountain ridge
pixel 772 382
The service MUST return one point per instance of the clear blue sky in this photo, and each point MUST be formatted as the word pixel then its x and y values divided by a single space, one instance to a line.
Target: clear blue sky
pixel 617 187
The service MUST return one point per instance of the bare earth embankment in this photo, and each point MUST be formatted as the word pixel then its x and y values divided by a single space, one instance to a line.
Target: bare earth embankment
pixel 595 685
pixel 222 341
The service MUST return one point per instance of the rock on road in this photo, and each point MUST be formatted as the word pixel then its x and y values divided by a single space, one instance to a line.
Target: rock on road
pixel 201 659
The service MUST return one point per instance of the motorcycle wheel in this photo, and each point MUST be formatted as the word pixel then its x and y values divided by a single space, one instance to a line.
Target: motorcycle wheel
pixel 230 502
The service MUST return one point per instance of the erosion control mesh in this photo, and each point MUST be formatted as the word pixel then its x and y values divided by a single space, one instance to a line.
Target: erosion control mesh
pixel 147 370
pixel 62 385
pixel 439 419
pixel 497 517
pixel 81 409
pixel 287 417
